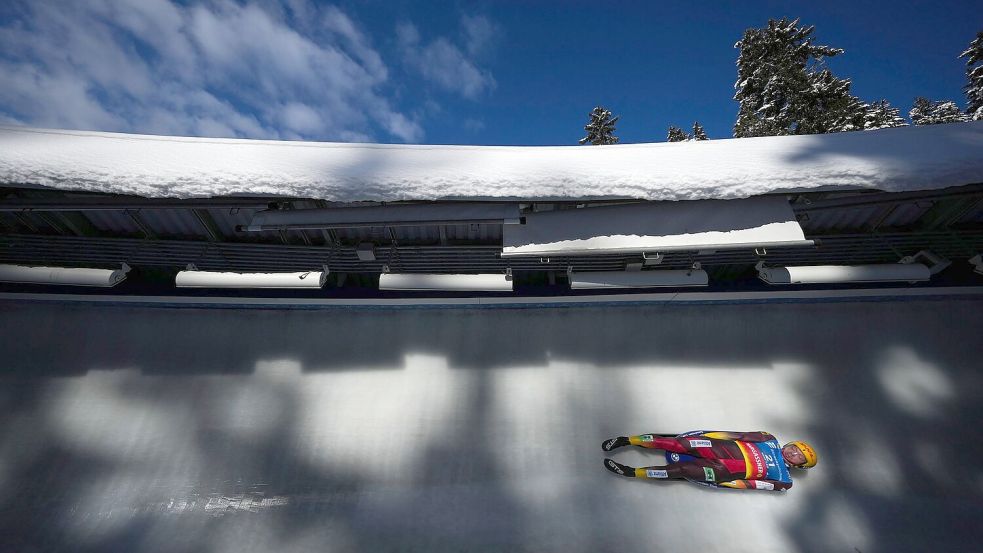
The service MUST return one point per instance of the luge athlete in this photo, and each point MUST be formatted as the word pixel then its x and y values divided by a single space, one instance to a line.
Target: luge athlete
pixel 744 460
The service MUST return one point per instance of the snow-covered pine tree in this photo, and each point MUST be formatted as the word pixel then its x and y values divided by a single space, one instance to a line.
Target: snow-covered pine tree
pixel 783 87
pixel 974 78
pixel 600 129
pixel 947 111
pixel 676 135
pixel 698 132
pixel 929 112
pixel 919 112
pixel 829 106
pixel 882 115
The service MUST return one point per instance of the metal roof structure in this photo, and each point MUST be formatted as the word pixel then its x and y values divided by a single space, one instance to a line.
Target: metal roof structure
pixel 160 204
pixel 165 235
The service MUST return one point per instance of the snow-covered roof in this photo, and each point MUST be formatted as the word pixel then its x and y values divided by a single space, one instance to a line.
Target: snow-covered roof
pixel 908 158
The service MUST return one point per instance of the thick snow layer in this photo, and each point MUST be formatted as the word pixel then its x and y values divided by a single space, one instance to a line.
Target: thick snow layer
pixel 165 430
pixel 657 227
pixel 909 158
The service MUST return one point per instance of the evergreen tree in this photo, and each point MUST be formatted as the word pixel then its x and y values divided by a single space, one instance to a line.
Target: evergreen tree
pixel 698 132
pixel 676 135
pixel 947 111
pixel 783 87
pixel 919 112
pixel 600 129
pixel 974 78
pixel 829 106
pixel 928 112
pixel 882 115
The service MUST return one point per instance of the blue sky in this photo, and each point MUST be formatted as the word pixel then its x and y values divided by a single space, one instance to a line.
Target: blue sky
pixel 478 72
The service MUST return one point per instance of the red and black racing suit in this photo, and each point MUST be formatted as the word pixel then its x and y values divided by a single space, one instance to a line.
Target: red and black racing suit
pixel 730 459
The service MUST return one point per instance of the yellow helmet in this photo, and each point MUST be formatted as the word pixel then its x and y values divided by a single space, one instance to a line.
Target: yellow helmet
pixel 808 452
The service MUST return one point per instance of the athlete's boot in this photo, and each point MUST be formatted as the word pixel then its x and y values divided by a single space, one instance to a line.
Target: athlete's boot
pixel 619 469
pixel 615 443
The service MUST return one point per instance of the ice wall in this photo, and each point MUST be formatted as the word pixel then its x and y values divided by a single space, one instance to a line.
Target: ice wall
pixel 479 430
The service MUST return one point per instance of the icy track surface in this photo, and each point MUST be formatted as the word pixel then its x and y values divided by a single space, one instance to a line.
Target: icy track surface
pixel 159 430
pixel 910 158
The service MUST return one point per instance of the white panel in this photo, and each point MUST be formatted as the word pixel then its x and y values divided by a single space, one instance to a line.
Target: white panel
pixel 206 279
pixel 638 279
pixel 62 275
pixel 657 227
pixel 832 274
pixel 464 283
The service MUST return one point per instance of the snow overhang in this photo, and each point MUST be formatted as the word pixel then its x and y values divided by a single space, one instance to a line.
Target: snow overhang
pixel 893 160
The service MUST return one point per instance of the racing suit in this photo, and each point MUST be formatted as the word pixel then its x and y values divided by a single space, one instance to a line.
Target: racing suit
pixel 730 459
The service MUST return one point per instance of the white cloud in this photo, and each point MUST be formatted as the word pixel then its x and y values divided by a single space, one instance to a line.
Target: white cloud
pixel 28 90
pixel 216 68
pixel 479 32
pixel 336 21
pixel 301 118
pixel 444 63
